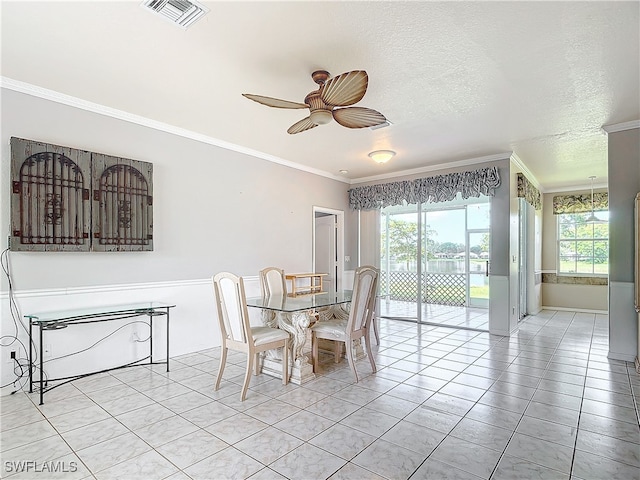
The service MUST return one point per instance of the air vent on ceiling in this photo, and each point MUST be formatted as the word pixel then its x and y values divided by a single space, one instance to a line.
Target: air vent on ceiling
pixel 180 12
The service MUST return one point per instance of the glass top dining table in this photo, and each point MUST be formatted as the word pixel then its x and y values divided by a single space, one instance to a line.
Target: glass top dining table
pixel 298 303
pixel 295 314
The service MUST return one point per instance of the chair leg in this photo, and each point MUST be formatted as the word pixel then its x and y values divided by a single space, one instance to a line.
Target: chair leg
pixel 367 344
pixel 349 347
pixel 247 376
pixel 285 363
pixel 337 351
pixel 256 365
pixel 223 360
pixel 375 330
pixel 314 351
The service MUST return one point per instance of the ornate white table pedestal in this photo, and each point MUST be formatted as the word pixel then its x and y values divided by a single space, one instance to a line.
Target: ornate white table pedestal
pixel 297 324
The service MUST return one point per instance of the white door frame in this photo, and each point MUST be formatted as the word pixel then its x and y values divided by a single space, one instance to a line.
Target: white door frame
pixel 339 214
pixel 467 261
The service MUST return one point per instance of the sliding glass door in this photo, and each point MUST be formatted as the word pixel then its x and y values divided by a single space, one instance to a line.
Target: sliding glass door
pixel 434 254
pixel 400 267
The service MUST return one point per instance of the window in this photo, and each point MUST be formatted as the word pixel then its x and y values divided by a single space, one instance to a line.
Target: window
pixel 583 248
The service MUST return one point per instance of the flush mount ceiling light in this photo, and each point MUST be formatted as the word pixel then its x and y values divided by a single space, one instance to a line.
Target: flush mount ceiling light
pixel 382 156
pixel 592 218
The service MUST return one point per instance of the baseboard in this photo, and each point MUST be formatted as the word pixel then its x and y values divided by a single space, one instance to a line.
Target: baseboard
pixel 621 356
pixel 581 310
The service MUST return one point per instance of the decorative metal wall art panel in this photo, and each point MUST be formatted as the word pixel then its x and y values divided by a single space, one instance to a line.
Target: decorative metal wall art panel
pixel 50 207
pixel 122 204
pixel 64 199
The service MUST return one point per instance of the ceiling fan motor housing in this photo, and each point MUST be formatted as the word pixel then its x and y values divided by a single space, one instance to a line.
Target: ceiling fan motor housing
pixel 320 113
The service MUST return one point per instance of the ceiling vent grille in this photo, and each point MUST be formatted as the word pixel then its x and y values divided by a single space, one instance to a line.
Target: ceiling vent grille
pixel 179 12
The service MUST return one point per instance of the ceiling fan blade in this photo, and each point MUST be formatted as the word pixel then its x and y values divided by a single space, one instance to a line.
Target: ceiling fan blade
pixel 358 117
pixel 274 102
pixel 345 89
pixel 301 126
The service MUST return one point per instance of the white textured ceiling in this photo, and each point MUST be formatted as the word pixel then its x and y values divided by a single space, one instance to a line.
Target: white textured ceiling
pixel 458 80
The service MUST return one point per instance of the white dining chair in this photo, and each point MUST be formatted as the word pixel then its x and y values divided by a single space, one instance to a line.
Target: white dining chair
pixel 356 326
pixel 374 321
pixel 239 335
pixel 272 282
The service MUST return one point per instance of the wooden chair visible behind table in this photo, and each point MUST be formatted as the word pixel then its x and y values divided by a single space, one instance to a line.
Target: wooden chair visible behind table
pixel 273 282
pixel 239 335
pixel 365 286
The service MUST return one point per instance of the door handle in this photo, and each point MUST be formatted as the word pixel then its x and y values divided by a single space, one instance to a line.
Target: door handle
pixel 486 273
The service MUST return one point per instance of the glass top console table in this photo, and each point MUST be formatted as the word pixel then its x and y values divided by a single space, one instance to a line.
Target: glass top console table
pixel 56 320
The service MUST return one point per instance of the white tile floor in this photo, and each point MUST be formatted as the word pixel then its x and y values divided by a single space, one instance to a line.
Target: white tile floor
pixel 445 404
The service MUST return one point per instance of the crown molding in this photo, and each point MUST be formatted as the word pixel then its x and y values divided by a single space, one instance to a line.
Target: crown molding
pixel 620 127
pixel 433 168
pixel 52 95
pixel 527 173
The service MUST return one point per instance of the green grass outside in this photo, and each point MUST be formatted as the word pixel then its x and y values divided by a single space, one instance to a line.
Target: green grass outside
pixel 584 268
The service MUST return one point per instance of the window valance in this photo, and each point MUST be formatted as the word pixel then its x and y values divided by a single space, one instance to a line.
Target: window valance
pixel 580 203
pixel 440 188
pixel 528 191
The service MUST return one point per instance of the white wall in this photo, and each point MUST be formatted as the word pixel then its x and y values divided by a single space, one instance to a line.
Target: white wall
pixel 624 184
pixel 214 209
pixel 534 260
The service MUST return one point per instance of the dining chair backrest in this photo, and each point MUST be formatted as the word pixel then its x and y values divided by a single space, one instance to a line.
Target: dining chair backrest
pixel 272 282
pixel 232 307
pixel 365 285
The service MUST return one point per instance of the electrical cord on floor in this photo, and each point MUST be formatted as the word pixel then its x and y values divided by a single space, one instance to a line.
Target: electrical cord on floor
pixel 22 367
pixel 21 377
pixel 10 340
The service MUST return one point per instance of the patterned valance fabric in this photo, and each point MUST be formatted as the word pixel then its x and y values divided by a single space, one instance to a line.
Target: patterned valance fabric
pixel 440 188
pixel 527 191
pixel 580 203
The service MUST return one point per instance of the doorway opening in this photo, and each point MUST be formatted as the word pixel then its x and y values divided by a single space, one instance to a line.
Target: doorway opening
pixel 328 247
pixel 435 262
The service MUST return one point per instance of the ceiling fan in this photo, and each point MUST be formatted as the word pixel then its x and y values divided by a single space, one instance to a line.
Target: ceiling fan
pixel 340 91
